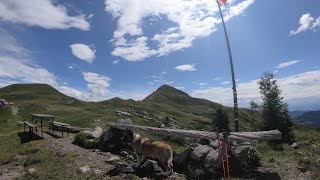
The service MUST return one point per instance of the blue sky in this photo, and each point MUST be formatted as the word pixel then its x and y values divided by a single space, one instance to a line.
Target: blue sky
pixel 96 50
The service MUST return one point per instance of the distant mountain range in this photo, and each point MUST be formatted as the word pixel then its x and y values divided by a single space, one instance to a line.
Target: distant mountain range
pixel 310 118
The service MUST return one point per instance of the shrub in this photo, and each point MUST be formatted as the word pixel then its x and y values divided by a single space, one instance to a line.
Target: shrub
pixel 83 140
pixel 253 161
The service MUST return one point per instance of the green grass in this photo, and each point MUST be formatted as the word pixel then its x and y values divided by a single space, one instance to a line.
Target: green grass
pixel 44 99
pixel 285 156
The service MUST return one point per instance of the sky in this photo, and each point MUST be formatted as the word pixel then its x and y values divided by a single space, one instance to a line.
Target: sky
pixel 96 50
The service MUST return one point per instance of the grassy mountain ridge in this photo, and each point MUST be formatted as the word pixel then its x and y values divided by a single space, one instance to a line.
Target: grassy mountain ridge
pixel 189 112
pixel 309 118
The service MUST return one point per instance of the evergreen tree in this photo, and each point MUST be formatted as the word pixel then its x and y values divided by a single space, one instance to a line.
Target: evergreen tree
pixel 220 120
pixel 274 111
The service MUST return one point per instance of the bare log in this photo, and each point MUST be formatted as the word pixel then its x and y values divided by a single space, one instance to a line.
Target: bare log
pixel 235 136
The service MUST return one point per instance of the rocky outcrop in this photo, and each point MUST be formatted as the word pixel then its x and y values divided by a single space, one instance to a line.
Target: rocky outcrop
pixel 112 140
pixel 94 134
pixel 200 152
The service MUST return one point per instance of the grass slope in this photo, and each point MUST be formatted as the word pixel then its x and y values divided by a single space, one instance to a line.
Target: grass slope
pixel 190 113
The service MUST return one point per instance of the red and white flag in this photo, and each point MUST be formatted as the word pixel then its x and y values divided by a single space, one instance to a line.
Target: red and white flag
pixel 222 2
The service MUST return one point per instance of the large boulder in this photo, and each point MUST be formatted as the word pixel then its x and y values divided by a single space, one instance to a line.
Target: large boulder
pixel 213 159
pixel 244 158
pixel 112 141
pixel 180 161
pixel 146 169
pixel 200 152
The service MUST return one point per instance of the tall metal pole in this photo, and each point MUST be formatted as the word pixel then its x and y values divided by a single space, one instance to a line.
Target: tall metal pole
pixel 235 99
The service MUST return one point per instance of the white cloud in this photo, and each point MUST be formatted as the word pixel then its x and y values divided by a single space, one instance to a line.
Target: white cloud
pixel 19 71
pixel 42 13
pixel 302 87
pixel 135 50
pixel 10 45
pixel 217 78
pixel 116 61
pixel 179 87
pixel 202 84
pixel 316 23
pixel 97 84
pixel 20 68
pixel 70 67
pixel 161 81
pixel 226 82
pixel 186 67
pixel 191 19
pixel 83 52
pixel 288 63
pixel 306 22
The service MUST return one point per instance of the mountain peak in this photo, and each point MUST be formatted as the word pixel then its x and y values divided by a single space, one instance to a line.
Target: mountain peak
pixel 168 94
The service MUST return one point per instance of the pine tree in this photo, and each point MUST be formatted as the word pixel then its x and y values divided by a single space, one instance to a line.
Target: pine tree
pixel 274 111
pixel 220 120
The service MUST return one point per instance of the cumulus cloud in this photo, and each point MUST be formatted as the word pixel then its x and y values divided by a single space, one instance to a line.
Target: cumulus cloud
pixel 191 20
pixel 41 13
pixel 302 87
pixel 186 67
pixel 115 61
pixel 83 52
pixel 10 45
pixel 16 70
pixel 97 84
pixel 17 67
pixel 288 63
pixel 306 22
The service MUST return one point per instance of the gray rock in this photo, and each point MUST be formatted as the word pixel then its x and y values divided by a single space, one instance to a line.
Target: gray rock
pixel 180 161
pixel 130 157
pixel 97 171
pixel 241 152
pixel 31 171
pixel 125 121
pixel 145 169
pixel 213 159
pixel 60 153
pixel 94 134
pixel 84 169
pixel 123 168
pixel 113 159
pixel 295 145
pixel 124 153
pixel 214 144
pixel 200 152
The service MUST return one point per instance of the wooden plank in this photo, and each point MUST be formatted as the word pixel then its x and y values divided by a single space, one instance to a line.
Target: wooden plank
pixel 43 115
pixel 60 123
pixel 29 124
pixel 235 136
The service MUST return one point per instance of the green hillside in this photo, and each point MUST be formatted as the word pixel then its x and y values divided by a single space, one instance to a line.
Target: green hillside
pixel 189 112
pixel 163 104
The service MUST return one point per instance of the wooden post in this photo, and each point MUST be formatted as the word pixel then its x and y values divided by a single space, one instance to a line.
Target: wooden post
pixel 41 126
pixel 24 127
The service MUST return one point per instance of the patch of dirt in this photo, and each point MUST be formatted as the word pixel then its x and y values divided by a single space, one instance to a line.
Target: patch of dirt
pixel 286 172
pixel 93 158
pixel 13 169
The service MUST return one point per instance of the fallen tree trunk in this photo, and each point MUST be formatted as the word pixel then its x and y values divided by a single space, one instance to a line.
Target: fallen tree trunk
pixel 234 136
